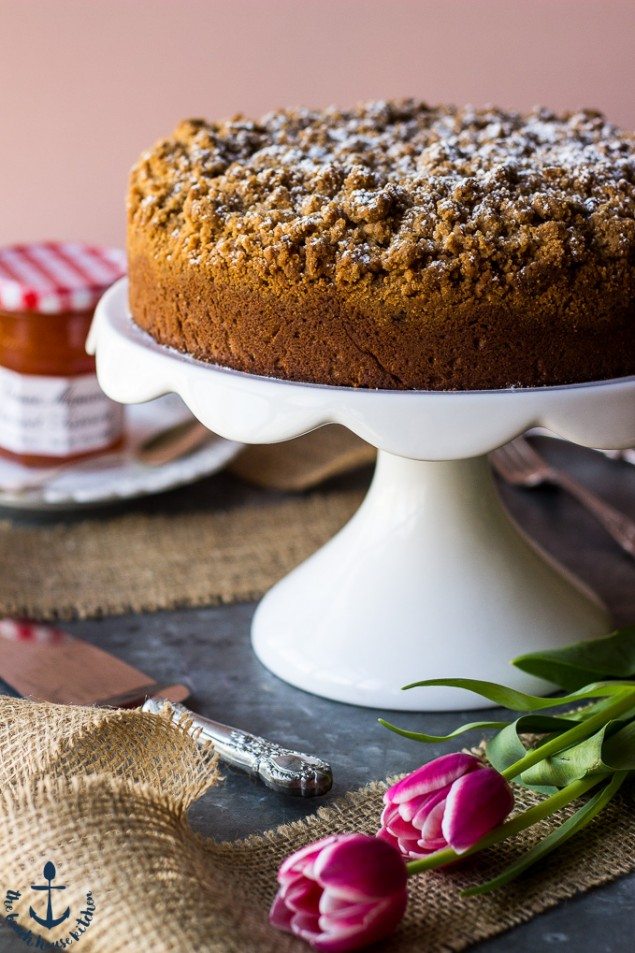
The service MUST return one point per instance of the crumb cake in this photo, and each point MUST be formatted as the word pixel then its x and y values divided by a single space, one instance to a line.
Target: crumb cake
pixel 394 245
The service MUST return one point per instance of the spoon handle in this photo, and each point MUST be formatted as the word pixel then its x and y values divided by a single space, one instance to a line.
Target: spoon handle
pixel 290 772
pixel 161 448
pixel 173 443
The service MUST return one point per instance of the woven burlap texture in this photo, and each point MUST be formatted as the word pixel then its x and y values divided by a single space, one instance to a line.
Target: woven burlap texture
pixel 104 795
pixel 304 462
pixel 141 563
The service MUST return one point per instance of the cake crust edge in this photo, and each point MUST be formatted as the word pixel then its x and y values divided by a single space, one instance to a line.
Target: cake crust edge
pixel 320 334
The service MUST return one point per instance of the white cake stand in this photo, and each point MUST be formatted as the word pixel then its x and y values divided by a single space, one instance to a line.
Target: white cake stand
pixel 430 577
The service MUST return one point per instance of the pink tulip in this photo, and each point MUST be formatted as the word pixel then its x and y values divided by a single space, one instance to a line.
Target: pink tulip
pixel 452 801
pixel 341 893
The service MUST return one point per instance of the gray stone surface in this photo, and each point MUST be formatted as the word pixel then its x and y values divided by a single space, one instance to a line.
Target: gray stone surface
pixel 209 648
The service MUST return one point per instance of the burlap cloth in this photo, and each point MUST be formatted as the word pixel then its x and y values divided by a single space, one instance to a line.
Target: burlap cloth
pixel 104 795
pixel 107 565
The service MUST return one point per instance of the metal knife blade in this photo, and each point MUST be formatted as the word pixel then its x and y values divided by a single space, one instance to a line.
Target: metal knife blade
pixel 47 664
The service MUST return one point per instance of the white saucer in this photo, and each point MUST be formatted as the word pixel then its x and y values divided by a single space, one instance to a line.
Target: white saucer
pixel 84 486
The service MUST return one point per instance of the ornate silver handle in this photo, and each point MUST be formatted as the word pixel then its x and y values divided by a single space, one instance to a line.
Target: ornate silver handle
pixel 290 772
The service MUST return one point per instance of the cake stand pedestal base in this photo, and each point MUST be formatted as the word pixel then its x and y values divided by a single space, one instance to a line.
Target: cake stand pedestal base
pixel 429 579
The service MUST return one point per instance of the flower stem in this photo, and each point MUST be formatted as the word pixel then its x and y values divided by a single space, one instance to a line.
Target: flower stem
pixel 531 816
pixel 575 823
pixel 567 739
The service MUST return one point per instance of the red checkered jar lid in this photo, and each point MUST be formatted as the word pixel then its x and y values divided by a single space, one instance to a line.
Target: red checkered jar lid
pixel 57 277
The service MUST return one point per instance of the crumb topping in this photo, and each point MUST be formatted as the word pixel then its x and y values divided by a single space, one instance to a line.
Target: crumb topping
pixel 392 192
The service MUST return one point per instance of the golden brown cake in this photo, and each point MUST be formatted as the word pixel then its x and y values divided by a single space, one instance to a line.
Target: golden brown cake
pixel 394 245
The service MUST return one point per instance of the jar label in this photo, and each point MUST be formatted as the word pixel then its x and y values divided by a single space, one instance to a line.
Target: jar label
pixel 56 416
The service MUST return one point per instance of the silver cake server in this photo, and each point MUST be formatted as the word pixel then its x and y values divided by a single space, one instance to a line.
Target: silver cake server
pixel 291 772
pixel 33 654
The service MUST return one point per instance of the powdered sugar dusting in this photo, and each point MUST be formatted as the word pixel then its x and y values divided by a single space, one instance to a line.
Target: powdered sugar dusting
pixel 392 192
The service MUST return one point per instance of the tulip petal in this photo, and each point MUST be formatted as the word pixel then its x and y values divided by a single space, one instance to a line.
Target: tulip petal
pixel 379 921
pixel 390 811
pixel 303 896
pixel 360 868
pixel 280 915
pixel 428 806
pixel 423 835
pixel 432 776
pixel 476 804
pixel 305 926
pixel 384 834
pixel 408 809
pixel 346 916
pixel 330 903
pixel 400 828
pixel 296 864
pixel 414 849
pixel 348 894
pixel 431 829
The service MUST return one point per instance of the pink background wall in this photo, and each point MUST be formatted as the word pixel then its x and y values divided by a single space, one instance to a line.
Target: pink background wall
pixel 85 85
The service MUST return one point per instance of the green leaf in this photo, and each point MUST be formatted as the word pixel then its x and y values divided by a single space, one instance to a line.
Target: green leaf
pixel 571 826
pixel 583 760
pixel 584 662
pixel 519 701
pixel 618 751
pixel 422 736
pixel 611 748
pixel 506 748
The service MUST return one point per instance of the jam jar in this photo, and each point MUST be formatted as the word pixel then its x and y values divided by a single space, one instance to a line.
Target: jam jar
pixel 52 409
